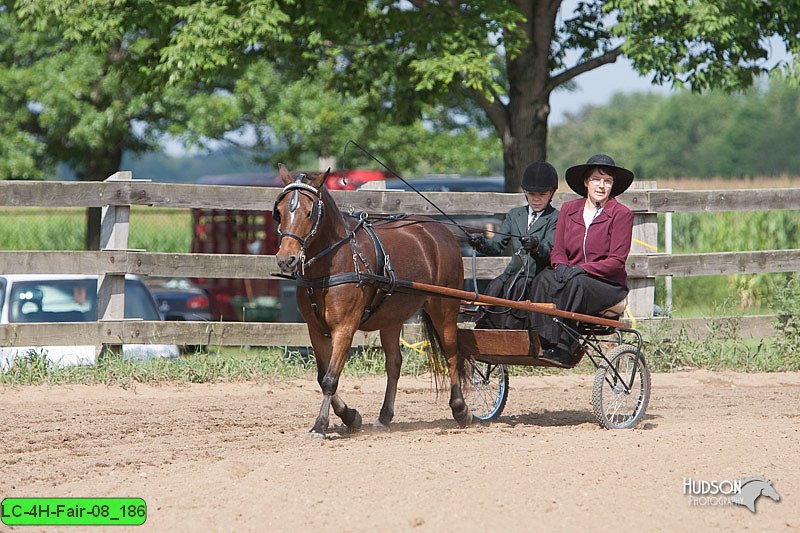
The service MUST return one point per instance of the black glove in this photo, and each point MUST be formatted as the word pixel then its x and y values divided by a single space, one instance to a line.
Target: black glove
pixel 476 240
pixel 564 273
pixel 573 271
pixel 530 243
pixel 559 273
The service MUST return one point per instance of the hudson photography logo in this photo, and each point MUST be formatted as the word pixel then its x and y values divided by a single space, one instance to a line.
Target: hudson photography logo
pixel 744 491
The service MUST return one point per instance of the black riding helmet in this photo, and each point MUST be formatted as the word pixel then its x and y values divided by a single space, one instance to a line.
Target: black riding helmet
pixel 540 176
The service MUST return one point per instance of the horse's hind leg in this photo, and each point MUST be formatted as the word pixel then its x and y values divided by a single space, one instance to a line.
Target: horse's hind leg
pixel 390 341
pixel 444 314
pixel 329 367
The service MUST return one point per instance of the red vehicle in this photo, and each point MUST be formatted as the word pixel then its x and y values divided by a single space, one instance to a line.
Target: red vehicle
pixel 228 231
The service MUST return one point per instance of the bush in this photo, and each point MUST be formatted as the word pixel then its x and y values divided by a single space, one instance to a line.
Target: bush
pixel 786 305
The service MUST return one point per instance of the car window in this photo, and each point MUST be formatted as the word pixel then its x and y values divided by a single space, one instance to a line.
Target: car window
pixel 53 301
pixel 73 300
pixel 138 302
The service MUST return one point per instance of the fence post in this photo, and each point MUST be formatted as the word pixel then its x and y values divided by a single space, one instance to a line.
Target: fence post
pixel 641 297
pixel 114 225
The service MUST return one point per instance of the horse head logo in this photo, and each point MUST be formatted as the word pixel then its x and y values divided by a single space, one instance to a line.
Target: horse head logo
pixel 752 488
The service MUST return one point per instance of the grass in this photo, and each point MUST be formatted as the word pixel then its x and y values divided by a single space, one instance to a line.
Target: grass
pixel 219 365
pixel 64 228
pixel 716 183
pixel 723 349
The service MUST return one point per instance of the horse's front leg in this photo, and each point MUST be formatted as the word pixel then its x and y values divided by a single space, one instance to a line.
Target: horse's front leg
pixel 328 378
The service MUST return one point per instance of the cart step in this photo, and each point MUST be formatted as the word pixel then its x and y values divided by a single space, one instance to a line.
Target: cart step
pixel 500 347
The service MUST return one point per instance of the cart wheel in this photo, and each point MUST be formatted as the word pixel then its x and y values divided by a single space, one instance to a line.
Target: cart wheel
pixel 488 390
pixel 614 407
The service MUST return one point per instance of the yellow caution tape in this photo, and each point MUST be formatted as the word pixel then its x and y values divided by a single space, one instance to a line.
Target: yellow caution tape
pixel 419 347
pixel 630 316
pixel 637 241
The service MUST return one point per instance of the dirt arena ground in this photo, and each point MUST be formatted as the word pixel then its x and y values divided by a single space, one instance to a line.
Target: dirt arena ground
pixel 234 457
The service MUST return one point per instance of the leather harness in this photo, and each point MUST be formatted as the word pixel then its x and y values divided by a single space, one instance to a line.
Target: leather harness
pixel 382 276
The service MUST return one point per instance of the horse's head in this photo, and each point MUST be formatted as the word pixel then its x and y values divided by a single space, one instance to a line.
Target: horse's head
pixel 298 211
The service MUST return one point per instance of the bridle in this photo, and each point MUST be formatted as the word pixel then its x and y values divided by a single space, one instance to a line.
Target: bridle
pixel 296 189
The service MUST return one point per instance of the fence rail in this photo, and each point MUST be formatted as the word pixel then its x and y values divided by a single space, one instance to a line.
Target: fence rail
pixel 140 192
pixel 117 194
pixel 262 266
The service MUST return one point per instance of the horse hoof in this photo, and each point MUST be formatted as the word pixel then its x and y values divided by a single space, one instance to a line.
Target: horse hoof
pixel 355 425
pixel 315 435
pixel 466 420
pixel 380 426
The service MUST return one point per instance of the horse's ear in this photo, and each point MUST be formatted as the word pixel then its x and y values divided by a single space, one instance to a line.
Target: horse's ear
pixel 284 174
pixel 319 179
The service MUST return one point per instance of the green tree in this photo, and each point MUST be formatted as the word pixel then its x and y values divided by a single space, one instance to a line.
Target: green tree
pixel 84 83
pixel 304 116
pixel 69 101
pixel 408 57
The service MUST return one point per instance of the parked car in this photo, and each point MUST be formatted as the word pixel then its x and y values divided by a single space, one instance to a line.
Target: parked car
pixel 446 183
pixel 472 223
pixel 180 299
pixel 29 298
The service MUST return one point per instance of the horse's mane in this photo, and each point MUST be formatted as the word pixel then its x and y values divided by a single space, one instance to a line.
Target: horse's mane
pixel 330 203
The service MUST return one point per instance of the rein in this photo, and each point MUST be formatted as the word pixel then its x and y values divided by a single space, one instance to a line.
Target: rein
pixel 395 174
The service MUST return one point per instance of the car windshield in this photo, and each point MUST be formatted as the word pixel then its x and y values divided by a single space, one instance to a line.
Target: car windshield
pixel 72 300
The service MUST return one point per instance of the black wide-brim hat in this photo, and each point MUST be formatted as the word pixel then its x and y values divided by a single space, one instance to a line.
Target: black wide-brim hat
pixel 539 176
pixel 576 175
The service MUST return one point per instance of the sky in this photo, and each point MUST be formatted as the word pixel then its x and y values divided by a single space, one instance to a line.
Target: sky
pixel 597 86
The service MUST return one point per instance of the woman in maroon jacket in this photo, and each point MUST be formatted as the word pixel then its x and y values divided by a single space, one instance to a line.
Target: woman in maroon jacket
pixel 592 242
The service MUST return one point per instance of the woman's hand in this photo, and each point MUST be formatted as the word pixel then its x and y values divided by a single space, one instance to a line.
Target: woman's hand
pixel 564 273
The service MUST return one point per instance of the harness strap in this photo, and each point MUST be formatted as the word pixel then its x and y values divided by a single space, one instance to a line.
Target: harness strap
pixel 327 281
pixel 315 308
pixel 350 236
pixel 383 278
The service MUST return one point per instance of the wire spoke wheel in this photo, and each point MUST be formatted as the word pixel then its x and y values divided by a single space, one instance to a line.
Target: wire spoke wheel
pixel 488 390
pixel 619 399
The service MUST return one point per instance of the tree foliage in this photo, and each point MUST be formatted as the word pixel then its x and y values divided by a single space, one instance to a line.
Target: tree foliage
pixel 705 45
pixel 411 63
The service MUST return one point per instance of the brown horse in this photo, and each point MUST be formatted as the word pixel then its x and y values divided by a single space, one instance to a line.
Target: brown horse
pixel 332 257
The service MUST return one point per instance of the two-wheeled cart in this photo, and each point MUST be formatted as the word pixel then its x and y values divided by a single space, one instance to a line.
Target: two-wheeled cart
pixel 621 388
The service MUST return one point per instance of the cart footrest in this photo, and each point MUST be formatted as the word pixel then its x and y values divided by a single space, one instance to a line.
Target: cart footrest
pixel 511 342
pixel 501 346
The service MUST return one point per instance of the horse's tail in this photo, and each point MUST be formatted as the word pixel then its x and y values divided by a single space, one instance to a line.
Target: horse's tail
pixel 435 353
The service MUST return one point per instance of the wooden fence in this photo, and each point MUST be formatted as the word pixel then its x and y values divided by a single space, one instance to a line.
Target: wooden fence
pixel 119 192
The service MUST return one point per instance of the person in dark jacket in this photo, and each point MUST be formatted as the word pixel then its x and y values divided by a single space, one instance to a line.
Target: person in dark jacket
pixel 530 230
pixel 591 246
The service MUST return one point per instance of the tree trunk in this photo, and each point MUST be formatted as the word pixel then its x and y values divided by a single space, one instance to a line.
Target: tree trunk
pixel 99 165
pixel 526 140
pixel 522 124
